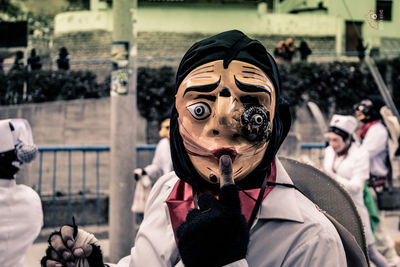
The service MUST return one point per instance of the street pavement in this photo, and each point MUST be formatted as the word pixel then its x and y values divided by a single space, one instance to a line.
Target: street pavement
pixel 36 251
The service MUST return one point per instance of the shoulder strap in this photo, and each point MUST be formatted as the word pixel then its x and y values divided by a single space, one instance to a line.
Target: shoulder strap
pixel 355 256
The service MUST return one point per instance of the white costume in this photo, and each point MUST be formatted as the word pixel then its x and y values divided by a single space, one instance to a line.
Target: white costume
pixel 20 221
pixel 352 171
pixel 376 143
pixel 21 216
pixel 289 231
pixel 160 165
pixel 162 162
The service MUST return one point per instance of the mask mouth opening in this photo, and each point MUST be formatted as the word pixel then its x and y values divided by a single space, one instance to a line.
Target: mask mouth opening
pixel 256 124
pixel 218 153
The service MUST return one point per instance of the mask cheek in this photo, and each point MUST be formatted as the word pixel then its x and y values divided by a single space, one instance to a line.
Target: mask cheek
pixel 256 124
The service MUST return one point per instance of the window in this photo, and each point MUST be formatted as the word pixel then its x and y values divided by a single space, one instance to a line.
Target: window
pixel 384 10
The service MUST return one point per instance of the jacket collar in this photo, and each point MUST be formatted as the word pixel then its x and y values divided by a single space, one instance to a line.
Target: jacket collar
pixel 281 203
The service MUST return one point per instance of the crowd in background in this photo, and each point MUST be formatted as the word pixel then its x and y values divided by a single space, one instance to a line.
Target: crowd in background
pixel 34 61
pixel 286 50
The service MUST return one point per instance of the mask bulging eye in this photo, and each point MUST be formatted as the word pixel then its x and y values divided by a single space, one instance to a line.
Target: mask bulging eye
pixel 257 119
pixel 256 125
pixel 199 111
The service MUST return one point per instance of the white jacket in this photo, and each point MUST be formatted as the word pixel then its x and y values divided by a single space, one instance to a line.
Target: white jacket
pixel 289 231
pixel 352 171
pixel 376 143
pixel 162 162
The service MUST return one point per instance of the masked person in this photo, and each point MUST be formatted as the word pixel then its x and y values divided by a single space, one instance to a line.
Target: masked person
pixel 374 138
pixel 347 163
pixel 161 164
pixel 20 207
pixel 229 200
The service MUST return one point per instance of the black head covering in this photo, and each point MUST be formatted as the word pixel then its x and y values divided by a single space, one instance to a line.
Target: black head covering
pixel 377 104
pixel 228 46
pixel 373 111
pixel 339 132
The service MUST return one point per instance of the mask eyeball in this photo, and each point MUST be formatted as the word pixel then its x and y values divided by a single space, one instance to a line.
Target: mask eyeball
pixel 256 125
pixel 257 119
pixel 199 111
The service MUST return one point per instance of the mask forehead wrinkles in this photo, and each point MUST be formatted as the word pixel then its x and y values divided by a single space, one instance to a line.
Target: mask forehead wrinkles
pixel 254 76
pixel 201 76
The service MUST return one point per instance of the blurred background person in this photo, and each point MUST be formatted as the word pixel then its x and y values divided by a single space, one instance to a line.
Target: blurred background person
pixel 280 52
pixel 290 49
pixel 63 59
pixel 361 49
pixel 304 51
pixel 18 61
pixel 34 61
pixel 20 206
pixel 146 177
pixel 374 139
pixel 348 164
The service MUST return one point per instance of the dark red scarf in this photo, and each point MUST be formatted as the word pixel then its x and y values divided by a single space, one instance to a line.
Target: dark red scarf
pixel 180 201
pixel 362 132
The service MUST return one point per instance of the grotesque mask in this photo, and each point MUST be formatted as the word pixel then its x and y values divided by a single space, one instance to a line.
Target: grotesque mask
pixel 226 111
pixel 369 109
pixel 227 102
pixel 363 110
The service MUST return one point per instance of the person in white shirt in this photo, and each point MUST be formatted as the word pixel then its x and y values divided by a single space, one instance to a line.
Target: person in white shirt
pixel 20 206
pixel 348 163
pixel 374 138
pixel 229 200
pixel 146 177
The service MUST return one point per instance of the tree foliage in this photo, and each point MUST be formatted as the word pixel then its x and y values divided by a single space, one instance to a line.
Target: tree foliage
pixel 45 9
pixel 334 86
pixel 39 13
pixel 42 86
pixel 155 91
pixel 10 8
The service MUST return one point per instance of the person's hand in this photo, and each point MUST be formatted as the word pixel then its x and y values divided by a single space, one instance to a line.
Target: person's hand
pixel 217 233
pixel 138 173
pixel 71 247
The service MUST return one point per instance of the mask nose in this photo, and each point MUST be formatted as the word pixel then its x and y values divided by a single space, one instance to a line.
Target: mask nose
pixel 227 115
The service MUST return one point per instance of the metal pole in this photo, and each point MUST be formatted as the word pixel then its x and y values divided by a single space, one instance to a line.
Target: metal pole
pixel 123 125
pixel 384 91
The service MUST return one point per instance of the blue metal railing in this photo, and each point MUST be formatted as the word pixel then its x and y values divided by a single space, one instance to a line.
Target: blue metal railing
pixel 313 145
pixel 313 152
pixel 84 150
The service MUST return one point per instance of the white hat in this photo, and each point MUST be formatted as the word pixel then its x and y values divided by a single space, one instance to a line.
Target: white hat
pixel 16 134
pixel 347 124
